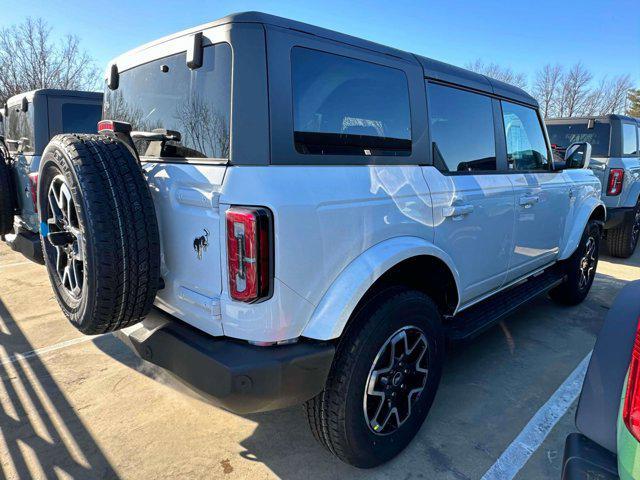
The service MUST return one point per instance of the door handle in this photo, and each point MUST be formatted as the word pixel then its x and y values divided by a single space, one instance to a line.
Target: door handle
pixel 528 200
pixel 457 210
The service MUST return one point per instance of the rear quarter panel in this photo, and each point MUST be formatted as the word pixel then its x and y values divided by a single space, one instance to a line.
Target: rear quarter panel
pixel 630 187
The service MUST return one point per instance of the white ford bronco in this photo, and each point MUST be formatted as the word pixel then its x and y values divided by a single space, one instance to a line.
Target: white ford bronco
pixel 279 214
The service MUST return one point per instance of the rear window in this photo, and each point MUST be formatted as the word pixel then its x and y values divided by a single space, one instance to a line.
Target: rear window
pixel 561 136
pixel 80 118
pixel 629 139
pixel 19 130
pixel 343 106
pixel 166 94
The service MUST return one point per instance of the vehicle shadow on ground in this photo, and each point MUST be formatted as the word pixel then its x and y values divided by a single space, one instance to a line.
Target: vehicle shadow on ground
pixel 633 261
pixel 37 422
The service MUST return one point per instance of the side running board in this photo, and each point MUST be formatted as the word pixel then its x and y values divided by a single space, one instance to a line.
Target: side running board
pixel 478 318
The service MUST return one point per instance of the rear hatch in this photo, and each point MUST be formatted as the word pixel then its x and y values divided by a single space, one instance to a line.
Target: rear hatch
pixel 598 134
pixel 185 170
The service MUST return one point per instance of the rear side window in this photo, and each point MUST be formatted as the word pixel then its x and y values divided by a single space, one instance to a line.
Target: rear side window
pixel 629 139
pixel 461 126
pixel 80 118
pixel 19 130
pixel 343 106
pixel 166 94
pixel 526 146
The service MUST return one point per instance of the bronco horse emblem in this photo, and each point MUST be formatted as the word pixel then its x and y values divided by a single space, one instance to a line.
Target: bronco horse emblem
pixel 201 243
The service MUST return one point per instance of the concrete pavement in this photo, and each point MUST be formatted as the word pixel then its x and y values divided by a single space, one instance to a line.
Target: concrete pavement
pixel 93 410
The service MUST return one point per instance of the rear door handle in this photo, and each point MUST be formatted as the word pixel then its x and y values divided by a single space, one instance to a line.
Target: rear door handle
pixel 457 210
pixel 528 200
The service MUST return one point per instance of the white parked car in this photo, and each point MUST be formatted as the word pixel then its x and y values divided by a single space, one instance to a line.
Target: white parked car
pixel 300 216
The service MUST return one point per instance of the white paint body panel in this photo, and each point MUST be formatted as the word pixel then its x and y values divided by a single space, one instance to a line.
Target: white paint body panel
pixel 542 205
pixel 337 229
pixel 478 242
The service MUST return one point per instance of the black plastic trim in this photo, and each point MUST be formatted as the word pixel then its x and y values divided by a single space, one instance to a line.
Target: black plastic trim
pixel 235 375
pixel 617 216
pixel 28 244
pixel 584 459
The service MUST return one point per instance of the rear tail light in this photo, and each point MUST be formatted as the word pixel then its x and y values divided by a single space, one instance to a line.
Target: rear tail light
pixel 33 189
pixel 249 246
pixel 616 177
pixel 631 409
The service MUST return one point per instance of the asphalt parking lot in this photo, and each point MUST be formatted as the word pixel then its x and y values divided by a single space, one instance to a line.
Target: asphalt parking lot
pixel 80 407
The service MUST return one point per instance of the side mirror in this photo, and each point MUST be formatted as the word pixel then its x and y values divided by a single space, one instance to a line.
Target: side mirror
pixel 24 106
pixel 578 155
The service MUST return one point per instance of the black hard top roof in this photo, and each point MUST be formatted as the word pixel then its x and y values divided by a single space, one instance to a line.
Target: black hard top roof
pixel 432 68
pixel 54 92
pixel 584 119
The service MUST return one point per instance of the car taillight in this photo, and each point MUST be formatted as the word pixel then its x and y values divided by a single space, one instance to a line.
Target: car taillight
pixel 631 409
pixel 249 253
pixel 33 189
pixel 616 176
pixel 105 126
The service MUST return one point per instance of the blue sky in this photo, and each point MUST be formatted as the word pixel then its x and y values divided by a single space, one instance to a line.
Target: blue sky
pixel 604 35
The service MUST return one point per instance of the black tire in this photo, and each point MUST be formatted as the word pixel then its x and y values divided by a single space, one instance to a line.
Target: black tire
pixel 110 245
pixel 622 240
pixel 6 197
pixel 577 284
pixel 338 415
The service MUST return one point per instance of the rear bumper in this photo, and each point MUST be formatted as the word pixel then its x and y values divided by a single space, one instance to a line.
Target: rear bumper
pixel 617 216
pixel 27 243
pixel 235 375
pixel 584 459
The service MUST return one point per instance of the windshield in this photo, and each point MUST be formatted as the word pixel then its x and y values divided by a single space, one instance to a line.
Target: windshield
pixel 564 135
pixel 167 94
pixel 19 130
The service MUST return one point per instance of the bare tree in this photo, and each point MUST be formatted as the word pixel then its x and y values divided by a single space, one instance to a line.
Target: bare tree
pixel 31 59
pixel 493 70
pixel 545 87
pixel 574 90
pixel 633 104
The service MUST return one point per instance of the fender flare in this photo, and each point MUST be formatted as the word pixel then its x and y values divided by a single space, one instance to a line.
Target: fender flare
pixel 336 306
pixel 634 194
pixel 572 239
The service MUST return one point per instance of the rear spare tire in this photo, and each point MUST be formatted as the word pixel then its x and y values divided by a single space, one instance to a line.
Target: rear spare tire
pixel 6 196
pixel 99 232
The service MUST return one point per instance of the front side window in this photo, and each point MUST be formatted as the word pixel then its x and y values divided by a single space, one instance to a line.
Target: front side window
pixel 166 94
pixel 461 126
pixel 629 139
pixel 80 118
pixel 526 146
pixel 564 134
pixel 343 106
pixel 19 130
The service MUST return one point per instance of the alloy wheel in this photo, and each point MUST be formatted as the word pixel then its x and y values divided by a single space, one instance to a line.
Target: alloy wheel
pixel 66 236
pixel 396 380
pixel 588 263
pixel 635 229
